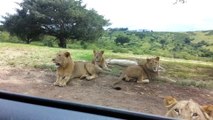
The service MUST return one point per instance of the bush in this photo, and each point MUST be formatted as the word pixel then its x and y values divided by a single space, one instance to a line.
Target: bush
pixel 184 55
pixel 122 40
pixel 49 41
pixel 74 45
pixel 120 50
pixel 6 37
pixel 105 43
pixel 137 52
pixel 92 46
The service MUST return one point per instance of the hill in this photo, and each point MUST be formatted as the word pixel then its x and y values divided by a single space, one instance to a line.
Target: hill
pixel 196 45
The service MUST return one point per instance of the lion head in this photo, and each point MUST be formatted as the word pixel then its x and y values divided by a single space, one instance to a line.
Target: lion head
pixel 98 56
pixel 184 109
pixel 62 59
pixel 153 64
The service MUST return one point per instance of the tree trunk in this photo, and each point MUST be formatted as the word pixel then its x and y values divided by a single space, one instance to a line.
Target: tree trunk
pixel 62 43
pixel 28 41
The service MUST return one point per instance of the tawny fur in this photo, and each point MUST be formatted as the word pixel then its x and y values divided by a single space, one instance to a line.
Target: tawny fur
pixel 169 102
pixel 68 69
pixel 184 109
pixel 147 71
pixel 98 59
pixel 209 110
pixel 142 73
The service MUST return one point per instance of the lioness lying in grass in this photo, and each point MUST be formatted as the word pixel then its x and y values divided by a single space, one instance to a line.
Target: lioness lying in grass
pixel 141 73
pixel 68 69
pixel 98 59
pixel 185 109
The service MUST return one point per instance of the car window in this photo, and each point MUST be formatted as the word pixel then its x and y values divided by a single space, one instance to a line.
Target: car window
pixel 134 55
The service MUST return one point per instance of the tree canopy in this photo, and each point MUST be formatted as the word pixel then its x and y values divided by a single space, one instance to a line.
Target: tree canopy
pixel 60 18
pixel 122 40
pixel 22 25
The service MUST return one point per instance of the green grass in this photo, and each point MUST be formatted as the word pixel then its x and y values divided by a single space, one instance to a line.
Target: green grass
pixel 186 72
pixel 199 84
pixel 206 36
pixel 199 36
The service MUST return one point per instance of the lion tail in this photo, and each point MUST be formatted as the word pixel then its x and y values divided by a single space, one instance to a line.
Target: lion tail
pixel 114 84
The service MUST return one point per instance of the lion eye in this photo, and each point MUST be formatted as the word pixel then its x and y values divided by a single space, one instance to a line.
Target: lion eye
pixel 176 110
pixel 195 114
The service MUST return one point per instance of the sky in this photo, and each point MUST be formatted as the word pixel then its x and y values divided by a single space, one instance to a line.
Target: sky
pixel 156 15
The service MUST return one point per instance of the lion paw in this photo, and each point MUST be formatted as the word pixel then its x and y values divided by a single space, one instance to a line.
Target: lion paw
pixel 143 81
pixel 56 83
pixel 62 84
pixel 90 77
pixel 83 76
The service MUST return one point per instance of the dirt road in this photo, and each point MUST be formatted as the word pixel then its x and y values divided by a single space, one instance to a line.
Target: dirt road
pixel 135 97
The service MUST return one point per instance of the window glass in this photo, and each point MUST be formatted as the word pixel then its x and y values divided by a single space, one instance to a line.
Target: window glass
pixel 137 55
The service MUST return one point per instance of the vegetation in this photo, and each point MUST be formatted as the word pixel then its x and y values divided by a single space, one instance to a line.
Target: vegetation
pixel 62 19
pixel 185 45
pixel 68 24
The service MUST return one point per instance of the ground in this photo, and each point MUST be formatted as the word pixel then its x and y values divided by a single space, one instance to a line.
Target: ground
pixel 134 97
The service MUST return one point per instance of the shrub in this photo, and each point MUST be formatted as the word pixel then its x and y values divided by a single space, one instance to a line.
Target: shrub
pixel 75 45
pixel 48 41
pixel 120 50
pixel 6 37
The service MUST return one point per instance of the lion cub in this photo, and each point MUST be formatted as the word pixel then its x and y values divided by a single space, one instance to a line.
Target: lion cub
pixel 98 59
pixel 184 109
pixel 68 69
pixel 142 73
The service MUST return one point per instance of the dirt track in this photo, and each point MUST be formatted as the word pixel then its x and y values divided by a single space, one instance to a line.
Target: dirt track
pixel 134 97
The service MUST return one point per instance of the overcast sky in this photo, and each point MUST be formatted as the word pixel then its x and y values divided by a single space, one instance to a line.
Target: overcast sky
pixel 156 15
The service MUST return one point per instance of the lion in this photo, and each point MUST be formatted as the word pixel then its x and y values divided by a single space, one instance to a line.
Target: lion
pixel 142 73
pixel 184 109
pixel 68 69
pixel 98 59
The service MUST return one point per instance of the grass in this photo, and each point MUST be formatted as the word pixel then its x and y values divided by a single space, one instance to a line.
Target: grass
pixel 207 36
pixel 199 83
pixel 186 72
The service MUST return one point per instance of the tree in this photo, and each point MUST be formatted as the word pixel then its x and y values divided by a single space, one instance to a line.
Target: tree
pixel 163 43
pixel 61 18
pixel 22 25
pixel 1 28
pixel 179 1
pixel 122 40
pixel 187 41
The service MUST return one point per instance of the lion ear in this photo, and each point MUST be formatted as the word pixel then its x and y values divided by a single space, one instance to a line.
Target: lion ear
pixel 148 59
pixel 204 107
pixel 157 58
pixel 94 51
pixel 207 108
pixel 102 52
pixel 169 101
pixel 67 54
